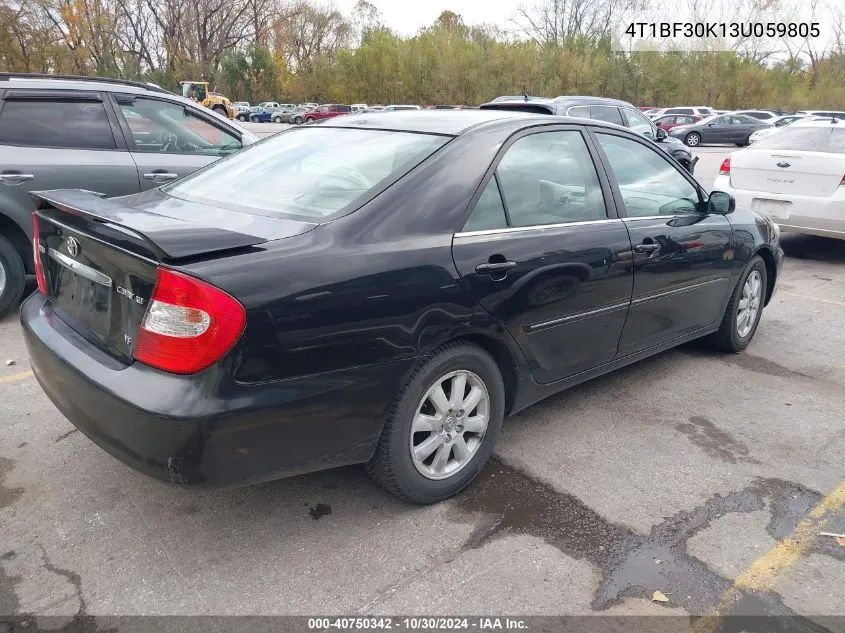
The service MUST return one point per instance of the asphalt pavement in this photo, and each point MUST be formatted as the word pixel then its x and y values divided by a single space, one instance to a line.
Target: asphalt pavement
pixel 707 477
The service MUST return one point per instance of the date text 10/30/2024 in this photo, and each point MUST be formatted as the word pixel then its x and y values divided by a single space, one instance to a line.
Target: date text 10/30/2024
pixel 417 624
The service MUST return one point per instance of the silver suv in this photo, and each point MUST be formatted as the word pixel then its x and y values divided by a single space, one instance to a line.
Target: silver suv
pixel 106 135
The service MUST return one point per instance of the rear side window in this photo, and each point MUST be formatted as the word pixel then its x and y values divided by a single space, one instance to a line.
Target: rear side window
pixel 313 172
pixel 549 178
pixel 66 124
pixel 680 111
pixel 606 113
pixel 580 111
pixel 805 139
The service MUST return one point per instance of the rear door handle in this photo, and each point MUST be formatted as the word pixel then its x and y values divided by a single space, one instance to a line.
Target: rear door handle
pixel 161 176
pixel 15 178
pixel 646 248
pixel 491 268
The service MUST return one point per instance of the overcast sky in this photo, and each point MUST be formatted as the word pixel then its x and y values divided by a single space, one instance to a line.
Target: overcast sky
pixel 407 16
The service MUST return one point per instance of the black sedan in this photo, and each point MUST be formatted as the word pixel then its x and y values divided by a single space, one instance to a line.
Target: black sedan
pixel 724 128
pixel 380 289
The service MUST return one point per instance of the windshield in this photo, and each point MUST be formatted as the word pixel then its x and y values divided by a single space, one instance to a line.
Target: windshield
pixel 806 139
pixel 313 172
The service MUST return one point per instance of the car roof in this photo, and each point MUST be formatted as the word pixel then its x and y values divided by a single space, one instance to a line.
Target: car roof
pixel 76 82
pixel 450 122
pixel 825 122
pixel 557 101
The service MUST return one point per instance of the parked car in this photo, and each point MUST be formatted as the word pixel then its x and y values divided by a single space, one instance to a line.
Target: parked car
pixel 374 108
pixel 263 114
pixel 443 107
pixel 396 108
pixel 285 115
pixel 777 123
pixel 702 111
pixel 358 107
pixel 796 177
pixel 241 110
pixel 415 312
pixel 725 128
pixel 107 135
pixel 326 111
pixel 762 115
pixel 668 121
pixel 309 106
pixel 610 110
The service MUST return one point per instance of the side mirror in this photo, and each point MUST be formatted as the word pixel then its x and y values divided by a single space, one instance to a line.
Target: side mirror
pixel 661 134
pixel 709 125
pixel 720 203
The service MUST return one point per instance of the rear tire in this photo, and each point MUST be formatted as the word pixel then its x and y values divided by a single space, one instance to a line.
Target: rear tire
pixel 693 139
pixel 744 310
pixel 459 446
pixel 242 118
pixel 219 109
pixel 12 277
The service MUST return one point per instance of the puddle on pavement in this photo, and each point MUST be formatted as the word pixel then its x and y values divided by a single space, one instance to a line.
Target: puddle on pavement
pixel 504 500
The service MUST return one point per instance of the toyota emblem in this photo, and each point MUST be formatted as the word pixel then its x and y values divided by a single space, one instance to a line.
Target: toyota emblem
pixel 72 246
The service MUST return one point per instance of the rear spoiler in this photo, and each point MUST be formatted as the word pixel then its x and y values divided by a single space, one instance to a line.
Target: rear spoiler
pixel 146 234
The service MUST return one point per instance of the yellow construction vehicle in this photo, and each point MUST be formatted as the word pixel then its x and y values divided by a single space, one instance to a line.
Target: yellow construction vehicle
pixel 198 91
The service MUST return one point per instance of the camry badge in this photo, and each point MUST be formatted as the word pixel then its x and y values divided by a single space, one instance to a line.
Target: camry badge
pixel 72 246
pixel 783 165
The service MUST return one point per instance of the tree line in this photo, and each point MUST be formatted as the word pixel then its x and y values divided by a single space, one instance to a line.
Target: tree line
pixel 298 50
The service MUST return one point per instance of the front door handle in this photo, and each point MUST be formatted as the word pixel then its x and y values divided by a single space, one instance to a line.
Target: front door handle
pixel 491 268
pixel 161 176
pixel 646 248
pixel 13 178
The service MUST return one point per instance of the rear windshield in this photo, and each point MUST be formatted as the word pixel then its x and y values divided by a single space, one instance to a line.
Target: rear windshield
pixel 806 139
pixel 314 172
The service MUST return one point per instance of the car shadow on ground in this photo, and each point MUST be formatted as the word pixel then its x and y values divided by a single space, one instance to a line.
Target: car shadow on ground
pixel 820 249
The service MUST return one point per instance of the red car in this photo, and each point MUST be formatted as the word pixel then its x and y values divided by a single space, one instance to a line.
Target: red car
pixel 668 121
pixel 327 111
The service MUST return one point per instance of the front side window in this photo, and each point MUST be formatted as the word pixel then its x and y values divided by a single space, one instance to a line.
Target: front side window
pixel 171 128
pixel 48 123
pixel 549 178
pixel 650 185
pixel 639 124
pixel 313 172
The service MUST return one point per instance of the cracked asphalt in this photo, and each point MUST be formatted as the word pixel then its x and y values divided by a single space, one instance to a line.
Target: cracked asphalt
pixel 704 476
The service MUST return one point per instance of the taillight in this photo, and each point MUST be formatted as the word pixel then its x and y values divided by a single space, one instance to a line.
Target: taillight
pixel 189 324
pixel 36 254
pixel 842 182
pixel 725 169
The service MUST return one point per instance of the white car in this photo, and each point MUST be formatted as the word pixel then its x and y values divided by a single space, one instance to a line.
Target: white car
pixel 396 108
pixel 358 107
pixel 796 177
pixel 777 122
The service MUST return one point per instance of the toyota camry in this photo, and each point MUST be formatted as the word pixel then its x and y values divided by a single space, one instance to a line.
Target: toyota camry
pixel 380 289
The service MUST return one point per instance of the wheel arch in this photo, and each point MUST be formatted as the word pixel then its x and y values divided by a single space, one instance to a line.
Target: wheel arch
pixel 503 356
pixel 771 270
pixel 12 231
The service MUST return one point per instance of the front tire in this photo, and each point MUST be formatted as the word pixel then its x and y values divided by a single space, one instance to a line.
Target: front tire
pixel 242 118
pixel 744 310
pixel 297 120
pixel 693 139
pixel 442 427
pixel 221 110
pixel 12 277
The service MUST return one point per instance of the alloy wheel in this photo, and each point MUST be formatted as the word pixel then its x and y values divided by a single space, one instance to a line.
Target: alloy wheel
pixel 749 304
pixel 449 424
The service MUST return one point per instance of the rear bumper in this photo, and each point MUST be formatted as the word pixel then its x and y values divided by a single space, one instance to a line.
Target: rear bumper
pixel 206 429
pixel 807 214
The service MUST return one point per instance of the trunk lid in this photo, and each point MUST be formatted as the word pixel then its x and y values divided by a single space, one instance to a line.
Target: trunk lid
pixel 99 256
pixel 787 172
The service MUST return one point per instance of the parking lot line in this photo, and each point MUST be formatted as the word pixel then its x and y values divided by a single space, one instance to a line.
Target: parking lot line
pixel 763 573
pixel 798 294
pixel 15 377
